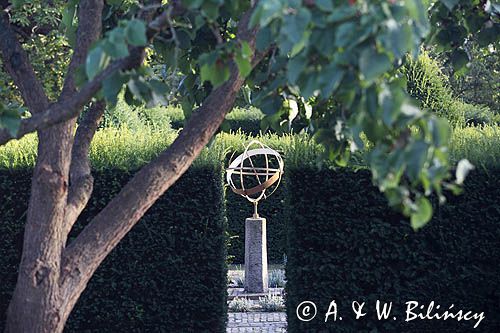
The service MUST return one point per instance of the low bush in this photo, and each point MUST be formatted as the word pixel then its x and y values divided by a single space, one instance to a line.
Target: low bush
pixel 240 305
pixel 480 145
pixel 479 115
pixel 276 278
pixel 272 303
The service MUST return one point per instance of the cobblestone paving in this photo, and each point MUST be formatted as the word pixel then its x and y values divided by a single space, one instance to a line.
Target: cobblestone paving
pixel 240 322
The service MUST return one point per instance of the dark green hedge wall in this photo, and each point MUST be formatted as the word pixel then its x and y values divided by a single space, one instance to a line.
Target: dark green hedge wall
pixel 273 209
pixel 167 275
pixel 344 243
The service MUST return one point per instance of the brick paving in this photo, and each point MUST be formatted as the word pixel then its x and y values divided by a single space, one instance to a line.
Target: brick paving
pixel 239 322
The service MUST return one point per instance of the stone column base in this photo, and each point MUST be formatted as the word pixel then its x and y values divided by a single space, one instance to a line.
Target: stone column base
pixel 255 256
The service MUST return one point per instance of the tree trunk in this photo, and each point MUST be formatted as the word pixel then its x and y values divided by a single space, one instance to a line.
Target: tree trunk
pixel 35 305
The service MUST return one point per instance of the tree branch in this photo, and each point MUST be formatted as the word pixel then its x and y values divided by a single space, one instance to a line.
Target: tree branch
pixel 89 30
pixel 82 257
pixel 71 107
pixel 81 180
pixel 19 68
pixel 68 108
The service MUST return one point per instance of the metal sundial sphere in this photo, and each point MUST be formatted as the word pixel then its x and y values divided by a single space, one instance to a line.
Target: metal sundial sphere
pixel 254 172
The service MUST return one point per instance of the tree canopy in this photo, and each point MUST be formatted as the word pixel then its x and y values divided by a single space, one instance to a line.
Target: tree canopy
pixel 327 67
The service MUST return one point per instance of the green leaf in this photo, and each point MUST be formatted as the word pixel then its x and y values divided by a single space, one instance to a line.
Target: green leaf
pixel 295 67
pixel 488 35
pixel 139 89
pixel 112 85
pixel 192 4
pixel 210 10
pixel 263 39
pixel 324 5
pixel 266 12
pixel 246 50
pixel 116 45
pixel 214 73
pixel 244 65
pixel 294 25
pixel 422 213
pixel 418 13
pixel 459 59
pixel 301 44
pixel 398 39
pixel 18 3
pixel 330 80
pixel 10 118
pixel 343 13
pixel 96 61
pixel 416 156
pixel 373 64
pixel 450 4
pixel 136 33
pixel 344 34
pixel 270 105
pixel 463 169
pixel 440 131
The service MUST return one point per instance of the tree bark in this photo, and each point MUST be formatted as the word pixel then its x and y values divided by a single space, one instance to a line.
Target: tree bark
pixel 36 302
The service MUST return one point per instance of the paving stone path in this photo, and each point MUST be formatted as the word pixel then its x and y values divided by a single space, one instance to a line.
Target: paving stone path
pixel 240 322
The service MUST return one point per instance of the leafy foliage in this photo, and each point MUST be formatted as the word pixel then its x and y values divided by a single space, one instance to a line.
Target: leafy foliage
pixel 481 83
pixel 329 68
pixel 460 20
pixel 433 89
pixel 332 59
pixel 10 117
pixel 430 86
pixel 272 303
pixel 240 305
pixel 38 21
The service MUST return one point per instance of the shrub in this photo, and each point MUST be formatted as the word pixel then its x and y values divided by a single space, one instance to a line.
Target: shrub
pixel 427 83
pixel 272 303
pixel 276 278
pixel 240 305
pixel 479 115
pixel 345 244
pixel 480 145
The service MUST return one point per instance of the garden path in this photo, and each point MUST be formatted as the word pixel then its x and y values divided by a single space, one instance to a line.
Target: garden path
pixel 240 322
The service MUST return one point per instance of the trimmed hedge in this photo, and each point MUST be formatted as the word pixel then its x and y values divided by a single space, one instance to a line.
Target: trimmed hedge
pixel 345 243
pixel 169 274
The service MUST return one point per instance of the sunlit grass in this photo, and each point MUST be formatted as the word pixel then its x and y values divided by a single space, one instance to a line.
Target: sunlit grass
pixel 128 149
pixel 480 145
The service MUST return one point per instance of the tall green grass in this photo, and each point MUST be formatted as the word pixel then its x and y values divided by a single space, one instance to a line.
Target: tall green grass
pixel 480 145
pixel 129 149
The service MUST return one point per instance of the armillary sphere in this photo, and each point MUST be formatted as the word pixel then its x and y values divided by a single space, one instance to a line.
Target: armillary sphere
pixel 256 173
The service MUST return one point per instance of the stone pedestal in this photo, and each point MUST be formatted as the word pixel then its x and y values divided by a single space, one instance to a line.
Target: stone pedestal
pixel 255 256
